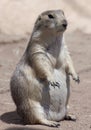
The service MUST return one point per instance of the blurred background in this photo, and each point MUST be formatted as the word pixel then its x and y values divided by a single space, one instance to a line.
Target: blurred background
pixel 17 18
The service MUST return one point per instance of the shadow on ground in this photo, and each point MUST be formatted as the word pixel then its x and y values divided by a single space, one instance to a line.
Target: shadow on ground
pixel 22 128
pixel 11 118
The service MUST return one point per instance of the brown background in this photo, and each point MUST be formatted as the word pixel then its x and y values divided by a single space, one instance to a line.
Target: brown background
pixel 17 18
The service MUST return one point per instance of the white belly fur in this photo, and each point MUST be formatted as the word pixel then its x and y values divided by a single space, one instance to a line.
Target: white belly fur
pixel 54 100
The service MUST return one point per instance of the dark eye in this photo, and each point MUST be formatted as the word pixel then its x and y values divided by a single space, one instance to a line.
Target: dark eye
pixel 39 18
pixel 50 16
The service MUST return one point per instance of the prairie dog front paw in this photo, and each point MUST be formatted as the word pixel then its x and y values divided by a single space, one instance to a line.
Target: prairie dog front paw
pixel 52 82
pixel 77 79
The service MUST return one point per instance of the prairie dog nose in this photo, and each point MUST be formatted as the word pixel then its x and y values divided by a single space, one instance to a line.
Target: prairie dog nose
pixel 64 23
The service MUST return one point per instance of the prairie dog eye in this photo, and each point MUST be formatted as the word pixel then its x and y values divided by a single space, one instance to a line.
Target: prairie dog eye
pixel 50 16
pixel 39 18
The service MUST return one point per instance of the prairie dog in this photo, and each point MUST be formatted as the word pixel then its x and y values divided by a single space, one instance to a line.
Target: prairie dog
pixel 40 82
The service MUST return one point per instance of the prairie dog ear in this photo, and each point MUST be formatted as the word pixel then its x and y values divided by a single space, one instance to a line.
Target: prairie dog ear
pixel 61 11
pixel 38 22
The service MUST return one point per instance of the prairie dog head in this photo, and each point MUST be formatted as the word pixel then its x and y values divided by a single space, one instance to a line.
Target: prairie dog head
pixel 53 20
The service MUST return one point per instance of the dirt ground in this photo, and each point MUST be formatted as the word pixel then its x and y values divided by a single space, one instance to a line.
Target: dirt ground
pixel 80 100
pixel 16 22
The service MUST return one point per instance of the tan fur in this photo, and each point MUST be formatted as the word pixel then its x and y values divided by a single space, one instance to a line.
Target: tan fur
pixel 40 83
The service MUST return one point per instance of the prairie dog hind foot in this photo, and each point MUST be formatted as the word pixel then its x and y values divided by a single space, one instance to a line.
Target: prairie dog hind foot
pixel 49 123
pixel 70 117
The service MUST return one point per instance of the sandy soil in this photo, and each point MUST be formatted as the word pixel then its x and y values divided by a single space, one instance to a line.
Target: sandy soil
pixel 16 22
pixel 80 100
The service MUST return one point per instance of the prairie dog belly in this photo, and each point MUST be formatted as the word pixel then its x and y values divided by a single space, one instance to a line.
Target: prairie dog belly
pixel 54 99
